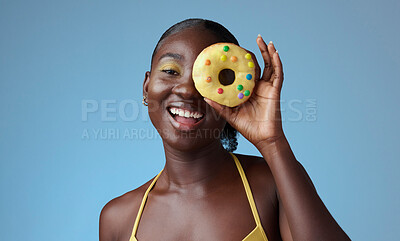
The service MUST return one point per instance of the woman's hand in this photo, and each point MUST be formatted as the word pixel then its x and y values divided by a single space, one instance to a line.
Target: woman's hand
pixel 259 118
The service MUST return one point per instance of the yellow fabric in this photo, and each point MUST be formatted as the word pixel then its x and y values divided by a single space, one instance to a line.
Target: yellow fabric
pixel 257 234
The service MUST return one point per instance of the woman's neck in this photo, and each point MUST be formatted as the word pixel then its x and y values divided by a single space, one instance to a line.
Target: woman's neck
pixel 196 171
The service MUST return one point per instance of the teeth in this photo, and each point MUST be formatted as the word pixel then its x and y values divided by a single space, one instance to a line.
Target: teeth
pixel 185 113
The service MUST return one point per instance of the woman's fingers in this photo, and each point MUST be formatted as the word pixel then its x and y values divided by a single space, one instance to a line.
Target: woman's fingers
pixel 277 77
pixel 267 59
pixel 271 49
pixel 276 67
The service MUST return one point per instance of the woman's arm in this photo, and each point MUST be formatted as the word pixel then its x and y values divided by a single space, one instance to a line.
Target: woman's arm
pixel 117 217
pixel 306 215
pixel 107 224
pixel 303 216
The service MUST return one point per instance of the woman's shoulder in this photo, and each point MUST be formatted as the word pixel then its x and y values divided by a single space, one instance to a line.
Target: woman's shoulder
pixel 127 201
pixel 119 214
pixel 260 178
pixel 254 165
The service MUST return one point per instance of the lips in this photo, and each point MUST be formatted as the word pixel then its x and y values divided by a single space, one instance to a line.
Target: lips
pixel 185 117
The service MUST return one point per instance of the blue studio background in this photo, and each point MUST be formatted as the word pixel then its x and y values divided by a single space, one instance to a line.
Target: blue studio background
pixel 74 134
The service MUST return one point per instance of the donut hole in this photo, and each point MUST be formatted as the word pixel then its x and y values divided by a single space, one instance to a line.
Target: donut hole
pixel 226 76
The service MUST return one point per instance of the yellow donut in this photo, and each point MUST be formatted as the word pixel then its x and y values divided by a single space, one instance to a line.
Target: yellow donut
pixel 224 73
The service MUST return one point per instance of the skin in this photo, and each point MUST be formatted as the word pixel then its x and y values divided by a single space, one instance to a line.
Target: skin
pixel 200 195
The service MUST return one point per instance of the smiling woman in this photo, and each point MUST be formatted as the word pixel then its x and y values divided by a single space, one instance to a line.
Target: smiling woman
pixel 204 192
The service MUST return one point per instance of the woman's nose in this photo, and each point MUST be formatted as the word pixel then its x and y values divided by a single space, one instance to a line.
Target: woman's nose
pixel 185 88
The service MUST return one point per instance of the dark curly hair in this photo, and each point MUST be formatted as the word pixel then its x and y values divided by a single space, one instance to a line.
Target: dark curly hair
pixel 229 134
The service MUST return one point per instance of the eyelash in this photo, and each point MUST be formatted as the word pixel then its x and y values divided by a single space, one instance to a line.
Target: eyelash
pixel 170 71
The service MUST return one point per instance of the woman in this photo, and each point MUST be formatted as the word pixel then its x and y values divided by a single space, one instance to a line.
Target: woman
pixel 204 192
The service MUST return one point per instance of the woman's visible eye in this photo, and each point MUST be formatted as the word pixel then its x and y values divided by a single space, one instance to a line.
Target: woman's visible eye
pixel 170 71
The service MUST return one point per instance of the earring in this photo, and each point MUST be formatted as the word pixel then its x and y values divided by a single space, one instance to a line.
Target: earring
pixel 144 101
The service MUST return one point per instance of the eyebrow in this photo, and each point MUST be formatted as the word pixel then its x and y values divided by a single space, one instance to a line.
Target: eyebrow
pixel 171 55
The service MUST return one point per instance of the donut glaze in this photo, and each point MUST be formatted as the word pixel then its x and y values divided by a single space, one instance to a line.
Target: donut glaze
pixel 224 73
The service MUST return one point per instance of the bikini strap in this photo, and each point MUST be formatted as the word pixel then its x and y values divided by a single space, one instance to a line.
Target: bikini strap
pixel 248 190
pixel 246 187
pixel 135 226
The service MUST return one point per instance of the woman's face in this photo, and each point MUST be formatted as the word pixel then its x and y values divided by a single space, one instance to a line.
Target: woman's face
pixel 177 110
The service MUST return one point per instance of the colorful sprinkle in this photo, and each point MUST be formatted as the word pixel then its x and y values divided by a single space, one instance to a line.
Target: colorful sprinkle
pixel 240 87
pixel 249 76
pixel 234 59
pixel 223 57
pixel 247 93
pixel 226 48
pixel 248 56
pixel 251 64
pixel 208 80
pixel 208 62
pixel 240 95
pixel 220 91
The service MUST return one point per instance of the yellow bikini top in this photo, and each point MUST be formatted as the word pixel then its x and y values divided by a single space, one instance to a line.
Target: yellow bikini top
pixel 257 234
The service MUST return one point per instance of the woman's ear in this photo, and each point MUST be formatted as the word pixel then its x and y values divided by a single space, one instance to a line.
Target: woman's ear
pixel 146 83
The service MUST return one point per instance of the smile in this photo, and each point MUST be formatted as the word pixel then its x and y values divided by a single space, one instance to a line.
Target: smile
pixel 185 119
pixel 185 113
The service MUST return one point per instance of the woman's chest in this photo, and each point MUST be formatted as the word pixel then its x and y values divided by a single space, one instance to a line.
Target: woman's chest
pixel 223 216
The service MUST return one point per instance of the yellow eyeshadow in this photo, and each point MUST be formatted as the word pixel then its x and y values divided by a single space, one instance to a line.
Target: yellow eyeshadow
pixel 170 66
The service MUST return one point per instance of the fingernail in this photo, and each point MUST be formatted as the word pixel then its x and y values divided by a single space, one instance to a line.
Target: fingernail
pixel 276 51
pixel 270 42
pixel 259 36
